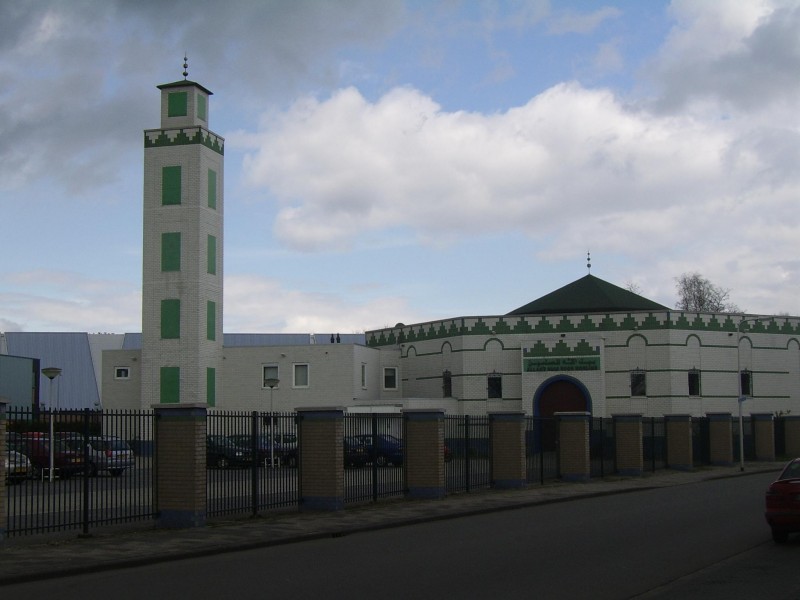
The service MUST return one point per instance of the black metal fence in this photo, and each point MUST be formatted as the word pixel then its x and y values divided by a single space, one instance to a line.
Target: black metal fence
pixel 251 462
pixel 701 441
pixel 602 447
pixel 102 467
pixel 654 443
pixel 749 439
pixel 88 476
pixel 541 449
pixel 466 454
pixel 373 457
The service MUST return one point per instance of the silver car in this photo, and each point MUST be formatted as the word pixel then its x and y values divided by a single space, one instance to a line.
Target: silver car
pixel 18 467
pixel 110 454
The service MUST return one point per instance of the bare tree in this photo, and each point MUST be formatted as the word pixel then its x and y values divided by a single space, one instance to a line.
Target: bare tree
pixel 698 294
pixel 634 287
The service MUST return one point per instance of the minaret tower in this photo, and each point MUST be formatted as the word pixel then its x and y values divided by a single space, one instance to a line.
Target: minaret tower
pixel 182 251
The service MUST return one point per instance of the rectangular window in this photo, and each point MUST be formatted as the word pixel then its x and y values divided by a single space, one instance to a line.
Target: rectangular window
pixel 171 251
pixel 211 320
pixel 694 382
pixel 300 376
pixel 746 383
pixel 122 373
pixel 212 189
pixel 447 384
pixel 390 378
pixel 212 255
pixel 202 107
pixel 494 386
pixel 363 376
pixel 170 319
pixel 170 388
pixel 170 185
pixel 211 386
pixel 270 375
pixel 638 383
pixel 177 104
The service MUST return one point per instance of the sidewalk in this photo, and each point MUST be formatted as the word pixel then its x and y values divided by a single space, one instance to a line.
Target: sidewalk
pixel 37 557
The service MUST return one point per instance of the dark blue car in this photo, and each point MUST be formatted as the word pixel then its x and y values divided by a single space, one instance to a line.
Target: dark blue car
pixel 387 450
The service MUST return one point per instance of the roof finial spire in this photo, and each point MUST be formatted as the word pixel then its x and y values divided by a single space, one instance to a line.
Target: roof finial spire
pixel 185 66
pixel 589 261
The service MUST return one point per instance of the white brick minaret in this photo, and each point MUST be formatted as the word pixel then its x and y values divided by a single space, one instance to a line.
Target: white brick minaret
pixel 182 252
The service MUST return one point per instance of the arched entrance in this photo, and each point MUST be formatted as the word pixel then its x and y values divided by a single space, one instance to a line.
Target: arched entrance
pixel 558 394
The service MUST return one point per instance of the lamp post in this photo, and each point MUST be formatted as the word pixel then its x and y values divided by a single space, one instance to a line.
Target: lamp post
pixel 742 396
pixel 271 382
pixel 51 373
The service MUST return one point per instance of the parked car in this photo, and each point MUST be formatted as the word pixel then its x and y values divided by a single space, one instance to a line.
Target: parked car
pixel 388 449
pixel 67 454
pixel 18 467
pixel 222 453
pixel 110 454
pixel 356 454
pixel 283 454
pixel 783 503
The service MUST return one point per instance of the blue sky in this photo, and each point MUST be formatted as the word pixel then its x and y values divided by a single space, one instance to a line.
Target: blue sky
pixel 406 161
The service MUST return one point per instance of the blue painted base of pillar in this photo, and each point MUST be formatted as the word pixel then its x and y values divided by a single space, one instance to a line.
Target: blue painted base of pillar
pixel 509 484
pixel 321 503
pixel 427 493
pixel 629 472
pixel 576 477
pixel 180 519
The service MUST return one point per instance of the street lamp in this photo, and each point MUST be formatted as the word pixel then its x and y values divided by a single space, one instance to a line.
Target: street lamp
pixel 51 373
pixel 742 396
pixel 271 382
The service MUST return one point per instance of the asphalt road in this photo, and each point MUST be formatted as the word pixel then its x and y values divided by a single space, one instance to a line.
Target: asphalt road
pixel 704 540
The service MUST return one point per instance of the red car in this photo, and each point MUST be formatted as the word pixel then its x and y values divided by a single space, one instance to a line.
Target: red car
pixel 783 503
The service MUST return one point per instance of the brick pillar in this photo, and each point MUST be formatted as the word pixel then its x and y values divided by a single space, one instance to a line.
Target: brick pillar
pixel 423 444
pixel 679 442
pixel 321 467
pixel 3 522
pixel 573 446
pixel 507 437
pixel 180 448
pixel 720 433
pixel 764 432
pixel 628 444
pixel 792 432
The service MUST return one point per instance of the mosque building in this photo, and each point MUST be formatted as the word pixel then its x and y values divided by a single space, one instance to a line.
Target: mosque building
pixel 589 346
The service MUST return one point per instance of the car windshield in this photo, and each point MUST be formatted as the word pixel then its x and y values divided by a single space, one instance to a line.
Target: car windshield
pixel 221 440
pixel 792 470
pixel 117 445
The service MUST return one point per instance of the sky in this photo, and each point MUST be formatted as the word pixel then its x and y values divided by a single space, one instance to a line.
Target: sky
pixel 406 160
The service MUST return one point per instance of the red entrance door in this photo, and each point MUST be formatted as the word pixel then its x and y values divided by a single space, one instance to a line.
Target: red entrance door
pixel 559 396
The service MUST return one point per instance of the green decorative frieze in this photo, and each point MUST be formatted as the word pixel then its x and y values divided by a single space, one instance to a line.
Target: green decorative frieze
pixel 560 348
pixel 165 138
pixel 561 357
pixel 561 364
pixel 586 324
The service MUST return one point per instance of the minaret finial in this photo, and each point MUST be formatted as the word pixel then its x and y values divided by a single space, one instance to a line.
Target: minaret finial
pixel 589 261
pixel 185 66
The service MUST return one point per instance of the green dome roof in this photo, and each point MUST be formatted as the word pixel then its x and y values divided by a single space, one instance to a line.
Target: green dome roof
pixel 588 294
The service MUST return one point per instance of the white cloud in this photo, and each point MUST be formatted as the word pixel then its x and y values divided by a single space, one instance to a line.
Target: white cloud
pixel 258 304
pixel 733 55
pixel 45 300
pixel 581 22
pixel 574 167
